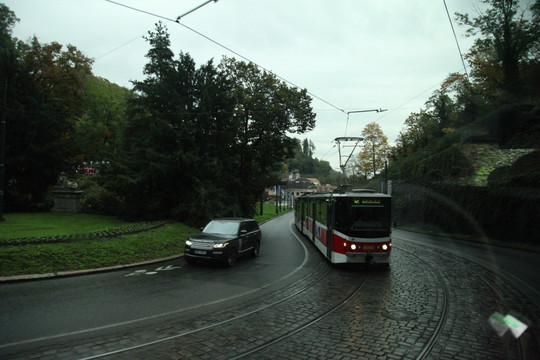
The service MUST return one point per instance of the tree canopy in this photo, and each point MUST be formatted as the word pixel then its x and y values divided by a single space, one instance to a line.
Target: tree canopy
pixel 505 69
pixel 508 42
pixel 308 166
pixel 204 141
pixel 45 95
pixel 375 149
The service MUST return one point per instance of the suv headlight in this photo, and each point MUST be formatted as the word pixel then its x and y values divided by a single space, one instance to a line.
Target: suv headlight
pixel 220 245
pixel 189 242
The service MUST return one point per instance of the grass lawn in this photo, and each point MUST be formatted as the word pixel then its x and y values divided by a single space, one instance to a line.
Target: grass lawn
pixel 269 211
pixel 88 254
pixel 157 243
pixel 18 225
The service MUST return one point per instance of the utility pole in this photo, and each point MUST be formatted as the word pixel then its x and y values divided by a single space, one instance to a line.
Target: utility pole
pixel 3 149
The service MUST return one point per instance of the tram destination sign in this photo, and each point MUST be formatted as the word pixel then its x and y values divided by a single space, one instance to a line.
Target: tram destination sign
pixel 367 203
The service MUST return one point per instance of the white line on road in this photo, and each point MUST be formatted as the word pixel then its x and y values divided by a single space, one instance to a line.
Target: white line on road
pixel 152 317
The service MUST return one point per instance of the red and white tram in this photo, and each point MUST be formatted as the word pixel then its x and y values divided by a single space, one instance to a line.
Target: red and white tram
pixel 347 227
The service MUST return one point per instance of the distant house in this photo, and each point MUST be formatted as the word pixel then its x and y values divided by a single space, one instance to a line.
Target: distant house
pixel 302 186
pixel 297 186
pixel 327 188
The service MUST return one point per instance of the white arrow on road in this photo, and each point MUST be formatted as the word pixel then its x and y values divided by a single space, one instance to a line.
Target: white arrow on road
pixel 162 268
pixel 169 267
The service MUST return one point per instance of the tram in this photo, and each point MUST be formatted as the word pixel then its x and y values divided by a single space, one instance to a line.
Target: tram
pixel 349 226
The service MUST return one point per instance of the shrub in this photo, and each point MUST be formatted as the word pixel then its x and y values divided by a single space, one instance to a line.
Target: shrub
pixel 96 199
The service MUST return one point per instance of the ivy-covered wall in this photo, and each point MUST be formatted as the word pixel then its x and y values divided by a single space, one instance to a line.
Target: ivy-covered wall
pixel 505 213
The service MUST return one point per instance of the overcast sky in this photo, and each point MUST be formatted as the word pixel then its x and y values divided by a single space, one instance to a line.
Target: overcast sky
pixel 353 54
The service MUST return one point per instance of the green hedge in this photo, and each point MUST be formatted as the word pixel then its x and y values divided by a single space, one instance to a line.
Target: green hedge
pixel 105 234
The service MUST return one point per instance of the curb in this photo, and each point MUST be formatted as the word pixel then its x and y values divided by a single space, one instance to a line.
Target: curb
pixel 60 274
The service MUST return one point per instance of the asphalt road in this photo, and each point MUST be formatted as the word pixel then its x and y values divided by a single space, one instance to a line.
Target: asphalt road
pixel 38 317
pixel 37 313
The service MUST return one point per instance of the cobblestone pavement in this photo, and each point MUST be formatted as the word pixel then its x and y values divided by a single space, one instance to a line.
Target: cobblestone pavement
pixel 430 305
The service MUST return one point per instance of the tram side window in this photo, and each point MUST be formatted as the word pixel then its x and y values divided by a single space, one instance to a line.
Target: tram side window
pixel 322 211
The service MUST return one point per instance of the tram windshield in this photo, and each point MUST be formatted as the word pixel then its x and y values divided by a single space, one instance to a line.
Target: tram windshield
pixel 360 216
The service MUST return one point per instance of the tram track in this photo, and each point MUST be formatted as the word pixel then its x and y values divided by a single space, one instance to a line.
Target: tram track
pixel 444 311
pixel 233 327
pixel 302 327
pixel 320 275
pixel 268 342
pixel 299 310
pixel 415 310
pixel 488 276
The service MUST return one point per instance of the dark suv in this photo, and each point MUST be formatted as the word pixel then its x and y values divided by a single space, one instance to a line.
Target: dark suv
pixel 224 240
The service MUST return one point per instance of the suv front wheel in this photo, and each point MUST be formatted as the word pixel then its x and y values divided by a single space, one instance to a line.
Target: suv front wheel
pixel 232 257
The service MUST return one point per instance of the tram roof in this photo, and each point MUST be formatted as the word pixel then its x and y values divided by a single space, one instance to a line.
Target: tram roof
pixel 349 193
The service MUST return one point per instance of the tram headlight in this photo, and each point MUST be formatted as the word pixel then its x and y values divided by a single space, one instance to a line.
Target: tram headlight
pixel 353 247
pixel 385 247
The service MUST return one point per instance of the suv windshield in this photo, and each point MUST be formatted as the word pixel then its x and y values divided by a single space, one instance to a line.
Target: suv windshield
pixel 222 227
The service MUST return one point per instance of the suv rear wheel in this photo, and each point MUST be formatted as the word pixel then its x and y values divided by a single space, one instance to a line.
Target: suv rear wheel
pixel 256 249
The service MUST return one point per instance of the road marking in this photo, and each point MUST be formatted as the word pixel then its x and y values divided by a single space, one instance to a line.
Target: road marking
pixel 169 267
pixel 306 256
pixel 145 272
pixel 156 316
pixel 137 273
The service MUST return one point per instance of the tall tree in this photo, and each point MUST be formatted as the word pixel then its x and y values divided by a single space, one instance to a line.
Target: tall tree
pixel 98 131
pixel 45 95
pixel 156 158
pixel 442 108
pixel 268 110
pixel 465 97
pixel 8 45
pixel 204 142
pixel 374 149
pixel 308 147
pixel 8 65
pixel 508 40
pixel 420 128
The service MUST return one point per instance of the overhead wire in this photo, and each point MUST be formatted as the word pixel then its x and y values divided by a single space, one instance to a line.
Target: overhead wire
pixel 176 21
pixel 455 38
pixel 335 107
pixel 400 107
pixel 119 47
